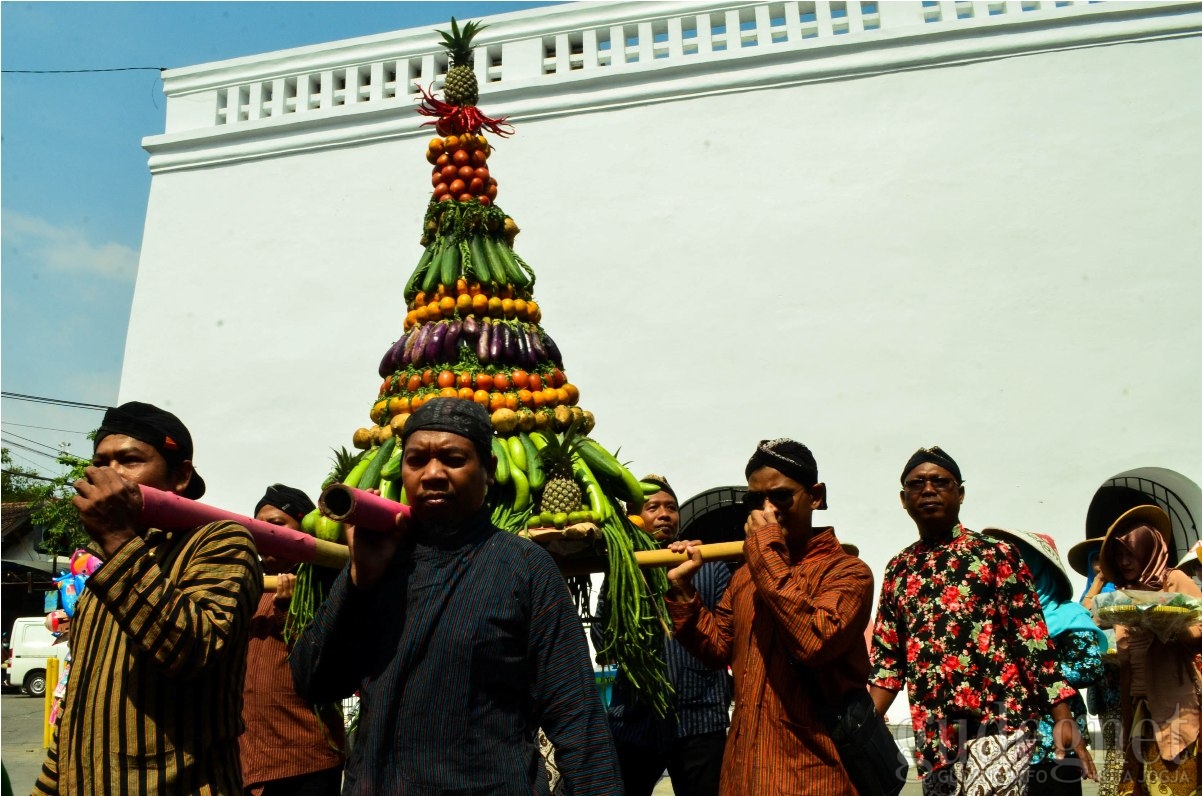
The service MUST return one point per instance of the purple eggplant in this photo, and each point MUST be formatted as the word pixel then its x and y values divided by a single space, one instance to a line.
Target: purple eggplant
pixel 523 349
pixel 434 342
pixel 511 345
pixel 388 361
pixel 536 345
pixel 496 343
pixel 484 343
pixel 407 353
pixel 418 354
pixel 450 343
pixel 552 350
pixel 531 354
pixel 471 329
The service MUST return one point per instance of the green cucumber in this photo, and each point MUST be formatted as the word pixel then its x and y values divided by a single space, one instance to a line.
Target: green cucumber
pixel 479 261
pixel 599 460
pixel 516 275
pixel 392 468
pixel 534 462
pixel 498 450
pixel 391 489
pixel 496 264
pixel 418 273
pixel 353 477
pixel 521 489
pixel 434 271
pixel 371 476
pixel 517 453
pixel 451 264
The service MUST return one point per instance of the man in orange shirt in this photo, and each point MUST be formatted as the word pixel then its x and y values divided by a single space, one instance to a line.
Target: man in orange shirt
pixel 791 624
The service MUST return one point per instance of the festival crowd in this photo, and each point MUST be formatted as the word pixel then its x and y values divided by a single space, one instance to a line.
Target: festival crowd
pixel 473 675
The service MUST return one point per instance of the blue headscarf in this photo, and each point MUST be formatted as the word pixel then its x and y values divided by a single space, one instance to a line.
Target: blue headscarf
pixel 1090 575
pixel 1060 616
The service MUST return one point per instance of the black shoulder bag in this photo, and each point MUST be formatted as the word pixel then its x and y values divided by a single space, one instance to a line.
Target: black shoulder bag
pixel 871 757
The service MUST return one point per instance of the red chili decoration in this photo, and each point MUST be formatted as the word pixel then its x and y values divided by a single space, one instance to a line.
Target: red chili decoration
pixel 459 119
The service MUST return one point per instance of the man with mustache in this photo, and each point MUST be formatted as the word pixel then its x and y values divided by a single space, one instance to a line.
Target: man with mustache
pixel 461 639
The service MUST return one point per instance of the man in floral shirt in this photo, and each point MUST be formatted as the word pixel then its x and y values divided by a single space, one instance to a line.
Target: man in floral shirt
pixel 959 624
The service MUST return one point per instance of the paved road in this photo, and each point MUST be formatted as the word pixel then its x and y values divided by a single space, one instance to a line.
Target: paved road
pixel 21 738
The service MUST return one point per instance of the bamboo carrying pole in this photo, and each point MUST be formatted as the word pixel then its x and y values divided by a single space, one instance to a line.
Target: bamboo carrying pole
pixel 169 511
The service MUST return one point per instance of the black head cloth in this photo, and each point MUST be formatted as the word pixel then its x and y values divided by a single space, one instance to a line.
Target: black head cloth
pixel 932 455
pixel 158 428
pixel 466 418
pixel 786 456
pixel 290 500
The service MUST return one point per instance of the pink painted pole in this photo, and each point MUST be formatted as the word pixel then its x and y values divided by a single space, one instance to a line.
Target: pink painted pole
pixel 359 508
pixel 169 511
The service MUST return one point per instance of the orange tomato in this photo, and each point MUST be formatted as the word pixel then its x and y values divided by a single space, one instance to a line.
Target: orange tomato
pixel 496 401
pixel 436 145
pixel 413 384
pixel 480 397
pixel 540 400
pixel 428 377
pixel 520 379
pixel 451 142
pixel 465 196
pixel 446 379
pixel 526 398
pixel 461 158
pixel 536 382
pixel 484 381
pixel 511 400
pixel 443 160
pixel 415 403
pixel 484 200
pixel 463 379
pixel 411 318
pixel 398 405
pixel 550 396
pixel 466 173
pixel 557 378
pixel 466 393
pixel 448 173
pixel 501 382
pixel 448 392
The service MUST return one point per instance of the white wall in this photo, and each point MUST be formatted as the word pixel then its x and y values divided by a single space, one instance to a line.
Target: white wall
pixel 1000 257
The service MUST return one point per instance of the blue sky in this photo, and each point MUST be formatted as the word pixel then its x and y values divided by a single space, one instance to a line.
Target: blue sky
pixel 74 182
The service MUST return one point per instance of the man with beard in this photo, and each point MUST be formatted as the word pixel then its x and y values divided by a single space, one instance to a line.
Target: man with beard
pixel 461 639
pixel 959 624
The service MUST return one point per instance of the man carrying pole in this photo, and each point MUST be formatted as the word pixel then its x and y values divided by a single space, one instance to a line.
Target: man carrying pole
pixel 159 637
pixel 461 639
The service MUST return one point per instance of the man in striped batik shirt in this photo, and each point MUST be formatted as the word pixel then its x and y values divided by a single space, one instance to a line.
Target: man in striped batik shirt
pixel 158 641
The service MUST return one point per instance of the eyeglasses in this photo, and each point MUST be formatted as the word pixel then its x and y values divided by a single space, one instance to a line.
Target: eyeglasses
pixel 915 486
pixel 781 498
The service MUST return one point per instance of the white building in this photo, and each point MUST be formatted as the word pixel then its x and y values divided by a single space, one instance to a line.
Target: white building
pixel 869 226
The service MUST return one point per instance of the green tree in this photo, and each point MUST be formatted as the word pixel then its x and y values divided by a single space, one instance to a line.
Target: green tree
pixel 20 484
pixel 62 528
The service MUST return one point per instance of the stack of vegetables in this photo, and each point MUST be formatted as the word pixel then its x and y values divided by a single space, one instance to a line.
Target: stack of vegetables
pixel 473 332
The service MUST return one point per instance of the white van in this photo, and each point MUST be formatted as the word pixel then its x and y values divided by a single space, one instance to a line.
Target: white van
pixel 30 644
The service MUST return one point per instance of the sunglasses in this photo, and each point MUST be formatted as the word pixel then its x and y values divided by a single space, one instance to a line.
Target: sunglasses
pixel 915 486
pixel 780 498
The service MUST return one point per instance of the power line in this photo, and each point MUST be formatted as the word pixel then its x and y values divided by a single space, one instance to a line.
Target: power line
pixel 25 459
pixel 34 441
pixel 35 477
pixel 11 444
pixel 38 399
pixel 81 71
pixel 47 428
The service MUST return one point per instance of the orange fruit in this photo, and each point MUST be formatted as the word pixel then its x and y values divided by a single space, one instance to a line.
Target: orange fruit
pixel 534 313
pixel 520 379
pixel 415 403
pixel 448 392
pixel 398 405
pixel 495 307
pixel 411 317
pixel 446 379
pixel 501 382
pixel 421 315
pixel 484 381
pixel 539 399
pixel 520 308
pixel 507 307
pixel 451 142
pixel 433 313
pixel 474 289
pixel 551 396
pixel 427 377
pixel 507 292
pixel 480 397
pixel 413 385
pixel 436 145
pixel 419 299
pixel 561 395
pixel 466 393
pixel 480 304
pixel 447 305
pixel 511 400
pixel 572 392
pixel 536 382
pixel 463 378
pixel 460 285
pixel 463 304
pixel 526 398
pixel 496 401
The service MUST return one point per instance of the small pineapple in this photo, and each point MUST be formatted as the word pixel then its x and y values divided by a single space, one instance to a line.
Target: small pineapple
pixel 461 87
pixel 561 493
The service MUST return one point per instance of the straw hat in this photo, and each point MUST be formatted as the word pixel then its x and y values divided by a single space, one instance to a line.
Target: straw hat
pixel 1078 555
pixel 1046 547
pixel 1191 557
pixel 1140 515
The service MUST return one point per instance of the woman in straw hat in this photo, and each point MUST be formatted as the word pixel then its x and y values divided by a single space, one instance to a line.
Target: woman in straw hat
pixel 1159 682
pixel 1102 699
pixel 1079 647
